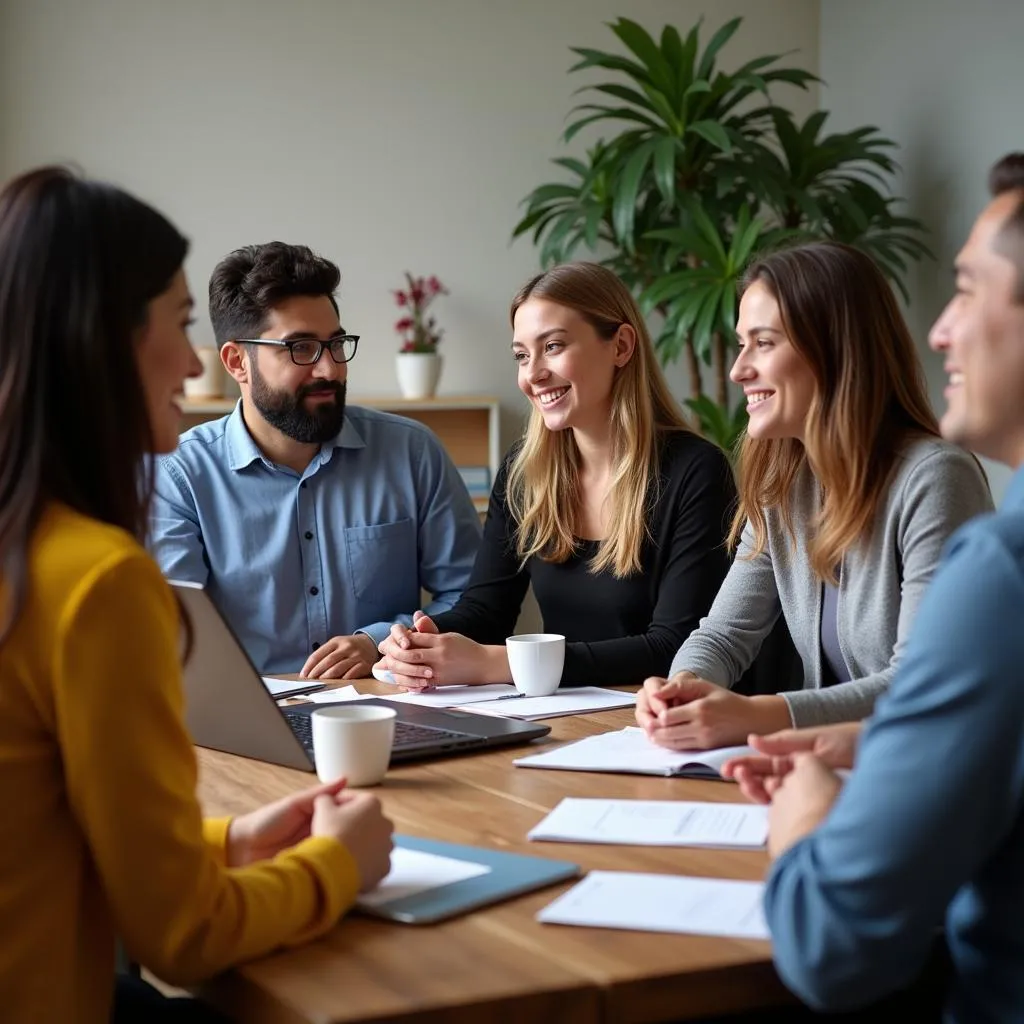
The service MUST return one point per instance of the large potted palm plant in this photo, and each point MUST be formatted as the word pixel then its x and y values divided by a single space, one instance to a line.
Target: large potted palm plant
pixel 700 169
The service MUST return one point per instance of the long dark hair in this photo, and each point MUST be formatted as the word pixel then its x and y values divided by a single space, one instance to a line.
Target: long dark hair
pixel 841 315
pixel 80 262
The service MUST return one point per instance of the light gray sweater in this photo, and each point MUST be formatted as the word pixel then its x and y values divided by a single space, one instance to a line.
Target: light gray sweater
pixel 935 488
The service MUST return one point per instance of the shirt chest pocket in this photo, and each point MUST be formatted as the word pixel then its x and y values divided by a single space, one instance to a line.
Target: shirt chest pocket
pixel 383 565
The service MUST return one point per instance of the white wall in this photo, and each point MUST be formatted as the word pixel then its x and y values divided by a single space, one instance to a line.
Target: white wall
pixel 944 79
pixel 388 134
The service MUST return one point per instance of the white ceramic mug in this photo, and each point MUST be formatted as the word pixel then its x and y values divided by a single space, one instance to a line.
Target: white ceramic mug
pixel 536 661
pixel 353 741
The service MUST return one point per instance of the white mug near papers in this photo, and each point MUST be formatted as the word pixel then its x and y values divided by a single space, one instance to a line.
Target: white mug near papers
pixel 353 742
pixel 535 661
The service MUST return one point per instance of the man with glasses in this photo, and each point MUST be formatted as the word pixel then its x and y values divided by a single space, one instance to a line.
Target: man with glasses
pixel 313 526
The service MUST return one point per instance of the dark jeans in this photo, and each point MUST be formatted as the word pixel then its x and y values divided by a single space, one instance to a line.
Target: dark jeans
pixel 136 1002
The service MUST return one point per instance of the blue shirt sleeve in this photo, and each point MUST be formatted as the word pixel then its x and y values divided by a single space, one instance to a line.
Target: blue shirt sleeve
pixel 853 907
pixel 175 536
pixel 448 535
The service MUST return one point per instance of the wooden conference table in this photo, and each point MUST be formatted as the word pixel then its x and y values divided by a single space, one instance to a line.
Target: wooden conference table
pixel 498 964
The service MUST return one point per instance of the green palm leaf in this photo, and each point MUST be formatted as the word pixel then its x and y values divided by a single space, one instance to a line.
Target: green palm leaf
pixel 697 169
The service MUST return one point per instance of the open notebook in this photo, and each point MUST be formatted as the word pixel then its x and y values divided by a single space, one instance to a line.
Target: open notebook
pixel 629 750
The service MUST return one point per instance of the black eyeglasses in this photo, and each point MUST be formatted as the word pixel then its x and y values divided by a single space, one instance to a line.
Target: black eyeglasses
pixel 307 351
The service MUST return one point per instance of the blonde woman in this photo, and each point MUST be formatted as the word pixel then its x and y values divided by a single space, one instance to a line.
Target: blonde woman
pixel 847 496
pixel 610 506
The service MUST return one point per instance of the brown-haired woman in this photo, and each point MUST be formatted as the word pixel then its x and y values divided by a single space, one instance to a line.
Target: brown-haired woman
pixel 847 496
pixel 610 506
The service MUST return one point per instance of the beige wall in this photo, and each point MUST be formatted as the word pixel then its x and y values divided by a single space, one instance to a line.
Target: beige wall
pixel 945 79
pixel 389 134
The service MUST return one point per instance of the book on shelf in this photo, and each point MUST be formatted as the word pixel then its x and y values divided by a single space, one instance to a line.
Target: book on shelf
pixel 477 480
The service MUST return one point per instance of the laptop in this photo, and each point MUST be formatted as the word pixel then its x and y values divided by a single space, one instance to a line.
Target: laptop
pixel 228 707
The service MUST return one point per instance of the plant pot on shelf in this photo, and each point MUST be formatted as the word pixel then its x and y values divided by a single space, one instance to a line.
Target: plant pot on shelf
pixel 418 373
pixel 210 383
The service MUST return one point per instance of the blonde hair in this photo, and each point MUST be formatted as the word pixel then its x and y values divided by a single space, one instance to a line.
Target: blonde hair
pixel 841 316
pixel 543 478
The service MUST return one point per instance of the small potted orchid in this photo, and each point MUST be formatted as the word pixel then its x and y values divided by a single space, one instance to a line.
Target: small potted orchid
pixel 418 365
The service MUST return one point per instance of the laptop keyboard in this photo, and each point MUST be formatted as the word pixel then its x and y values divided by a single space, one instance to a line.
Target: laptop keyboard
pixel 406 734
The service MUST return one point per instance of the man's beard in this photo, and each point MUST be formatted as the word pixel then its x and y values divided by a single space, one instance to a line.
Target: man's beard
pixel 287 413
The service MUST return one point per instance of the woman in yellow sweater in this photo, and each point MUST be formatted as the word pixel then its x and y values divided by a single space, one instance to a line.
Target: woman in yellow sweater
pixel 103 835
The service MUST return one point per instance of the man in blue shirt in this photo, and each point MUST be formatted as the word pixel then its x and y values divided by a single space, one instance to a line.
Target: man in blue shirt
pixel 313 526
pixel 929 828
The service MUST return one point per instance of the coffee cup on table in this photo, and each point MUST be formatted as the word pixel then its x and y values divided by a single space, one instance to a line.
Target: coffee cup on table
pixel 354 742
pixel 536 661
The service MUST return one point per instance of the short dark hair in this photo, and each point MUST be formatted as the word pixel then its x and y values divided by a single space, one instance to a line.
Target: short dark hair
pixel 250 281
pixel 80 262
pixel 1007 175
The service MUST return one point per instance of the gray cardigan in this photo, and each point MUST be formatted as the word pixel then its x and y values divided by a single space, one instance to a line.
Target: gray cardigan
pixel 936 487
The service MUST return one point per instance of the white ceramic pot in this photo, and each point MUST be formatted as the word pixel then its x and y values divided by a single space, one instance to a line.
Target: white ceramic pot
pixel 210 383
pixel 418 373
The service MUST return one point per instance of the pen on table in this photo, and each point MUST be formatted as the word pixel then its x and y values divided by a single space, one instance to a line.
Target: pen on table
pixel 510 696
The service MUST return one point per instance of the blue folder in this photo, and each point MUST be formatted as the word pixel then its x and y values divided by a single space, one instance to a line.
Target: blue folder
pixel 511 875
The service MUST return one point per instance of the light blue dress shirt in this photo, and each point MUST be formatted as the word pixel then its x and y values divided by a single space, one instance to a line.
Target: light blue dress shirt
pixel 293 559
pixel 929 828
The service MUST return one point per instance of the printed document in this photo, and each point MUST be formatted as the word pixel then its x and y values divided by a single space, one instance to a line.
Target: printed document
pixel 662 903
pixel 655 823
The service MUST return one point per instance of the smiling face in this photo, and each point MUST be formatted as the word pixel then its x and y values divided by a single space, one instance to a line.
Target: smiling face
pixel 165 359
pixel 565 368
pixel 775 377
pixel 981 335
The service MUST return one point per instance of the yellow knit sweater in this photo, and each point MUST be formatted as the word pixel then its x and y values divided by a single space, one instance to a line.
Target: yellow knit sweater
pixel 102 833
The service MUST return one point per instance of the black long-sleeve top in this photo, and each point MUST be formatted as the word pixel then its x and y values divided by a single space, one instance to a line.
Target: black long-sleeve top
pixel 618 631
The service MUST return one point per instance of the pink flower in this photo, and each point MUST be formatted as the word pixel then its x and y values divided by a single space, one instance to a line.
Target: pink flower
pixel 417 331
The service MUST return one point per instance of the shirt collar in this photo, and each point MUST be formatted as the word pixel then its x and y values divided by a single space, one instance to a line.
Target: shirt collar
pixel 349 436
pixel 243 450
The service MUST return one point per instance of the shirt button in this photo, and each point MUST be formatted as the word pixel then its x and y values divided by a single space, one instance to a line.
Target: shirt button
pixel 309 535
pixel 314 591
pixel 315 646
